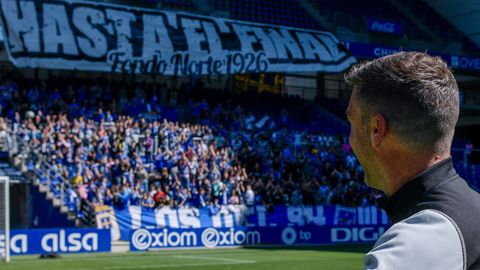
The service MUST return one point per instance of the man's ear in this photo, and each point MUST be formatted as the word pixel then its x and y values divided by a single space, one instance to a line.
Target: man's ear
pixel 378 130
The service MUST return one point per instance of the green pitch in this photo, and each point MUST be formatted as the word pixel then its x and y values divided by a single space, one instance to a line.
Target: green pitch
pixel 325 258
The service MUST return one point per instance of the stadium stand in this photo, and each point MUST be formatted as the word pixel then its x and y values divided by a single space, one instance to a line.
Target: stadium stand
pixel 123 142
pixel 183 5
pixel 86 155
pixel 283 12
pixel 230 152
pixel 434 20
pixel 354 15
pixel 421 29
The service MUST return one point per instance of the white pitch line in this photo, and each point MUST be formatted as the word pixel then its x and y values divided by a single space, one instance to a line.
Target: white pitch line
pixel 160 266
pixel 83 257
pixel 213 258
pixel 214 261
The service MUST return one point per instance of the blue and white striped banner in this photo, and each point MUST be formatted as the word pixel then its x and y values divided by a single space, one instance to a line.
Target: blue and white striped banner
pixel 120 222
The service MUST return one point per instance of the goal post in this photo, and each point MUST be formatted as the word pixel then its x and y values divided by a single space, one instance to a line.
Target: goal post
pixel 5 218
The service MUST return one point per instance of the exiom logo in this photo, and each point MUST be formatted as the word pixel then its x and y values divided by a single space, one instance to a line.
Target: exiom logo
pixel 212 237
pixel 143 239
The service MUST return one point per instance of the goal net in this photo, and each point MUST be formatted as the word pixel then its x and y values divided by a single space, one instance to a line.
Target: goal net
pixel 4 219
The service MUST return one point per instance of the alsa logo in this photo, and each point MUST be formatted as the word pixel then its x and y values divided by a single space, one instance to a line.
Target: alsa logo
pixel 56 242
pixel 19 244
pixel 366 234
pixel 74 242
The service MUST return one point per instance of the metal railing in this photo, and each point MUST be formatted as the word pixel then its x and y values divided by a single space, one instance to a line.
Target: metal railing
pixel 33 163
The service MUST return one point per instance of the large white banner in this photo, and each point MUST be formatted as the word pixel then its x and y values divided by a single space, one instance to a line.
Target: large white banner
pixel 77 35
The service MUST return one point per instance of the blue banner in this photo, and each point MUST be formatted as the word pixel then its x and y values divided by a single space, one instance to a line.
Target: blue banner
pixel 463 62
pixel 384 26
pixel 120 222
pixel 151 239
pixel 44 241
pixel 365 50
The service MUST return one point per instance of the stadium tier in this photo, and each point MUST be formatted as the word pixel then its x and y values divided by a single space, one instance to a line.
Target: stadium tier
pixel 427 27
pixel 282 12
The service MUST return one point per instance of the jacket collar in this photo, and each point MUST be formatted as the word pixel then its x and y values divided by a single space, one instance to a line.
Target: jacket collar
pixel 400 204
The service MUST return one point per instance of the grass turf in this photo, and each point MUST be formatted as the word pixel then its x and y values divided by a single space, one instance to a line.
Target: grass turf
pixel 322 258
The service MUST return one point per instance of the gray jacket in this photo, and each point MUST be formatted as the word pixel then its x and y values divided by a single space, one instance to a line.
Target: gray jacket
pixel 436 224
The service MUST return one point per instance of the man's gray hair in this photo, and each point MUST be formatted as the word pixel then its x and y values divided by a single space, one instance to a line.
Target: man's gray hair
pixel 415 92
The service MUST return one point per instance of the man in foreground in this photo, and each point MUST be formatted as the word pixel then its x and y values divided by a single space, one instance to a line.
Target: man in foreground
pixel 403 111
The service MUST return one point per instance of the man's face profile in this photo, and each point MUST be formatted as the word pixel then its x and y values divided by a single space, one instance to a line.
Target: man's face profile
pixel 359 139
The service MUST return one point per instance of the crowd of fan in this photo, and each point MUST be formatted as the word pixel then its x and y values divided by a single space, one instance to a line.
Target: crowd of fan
pixel 238 158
